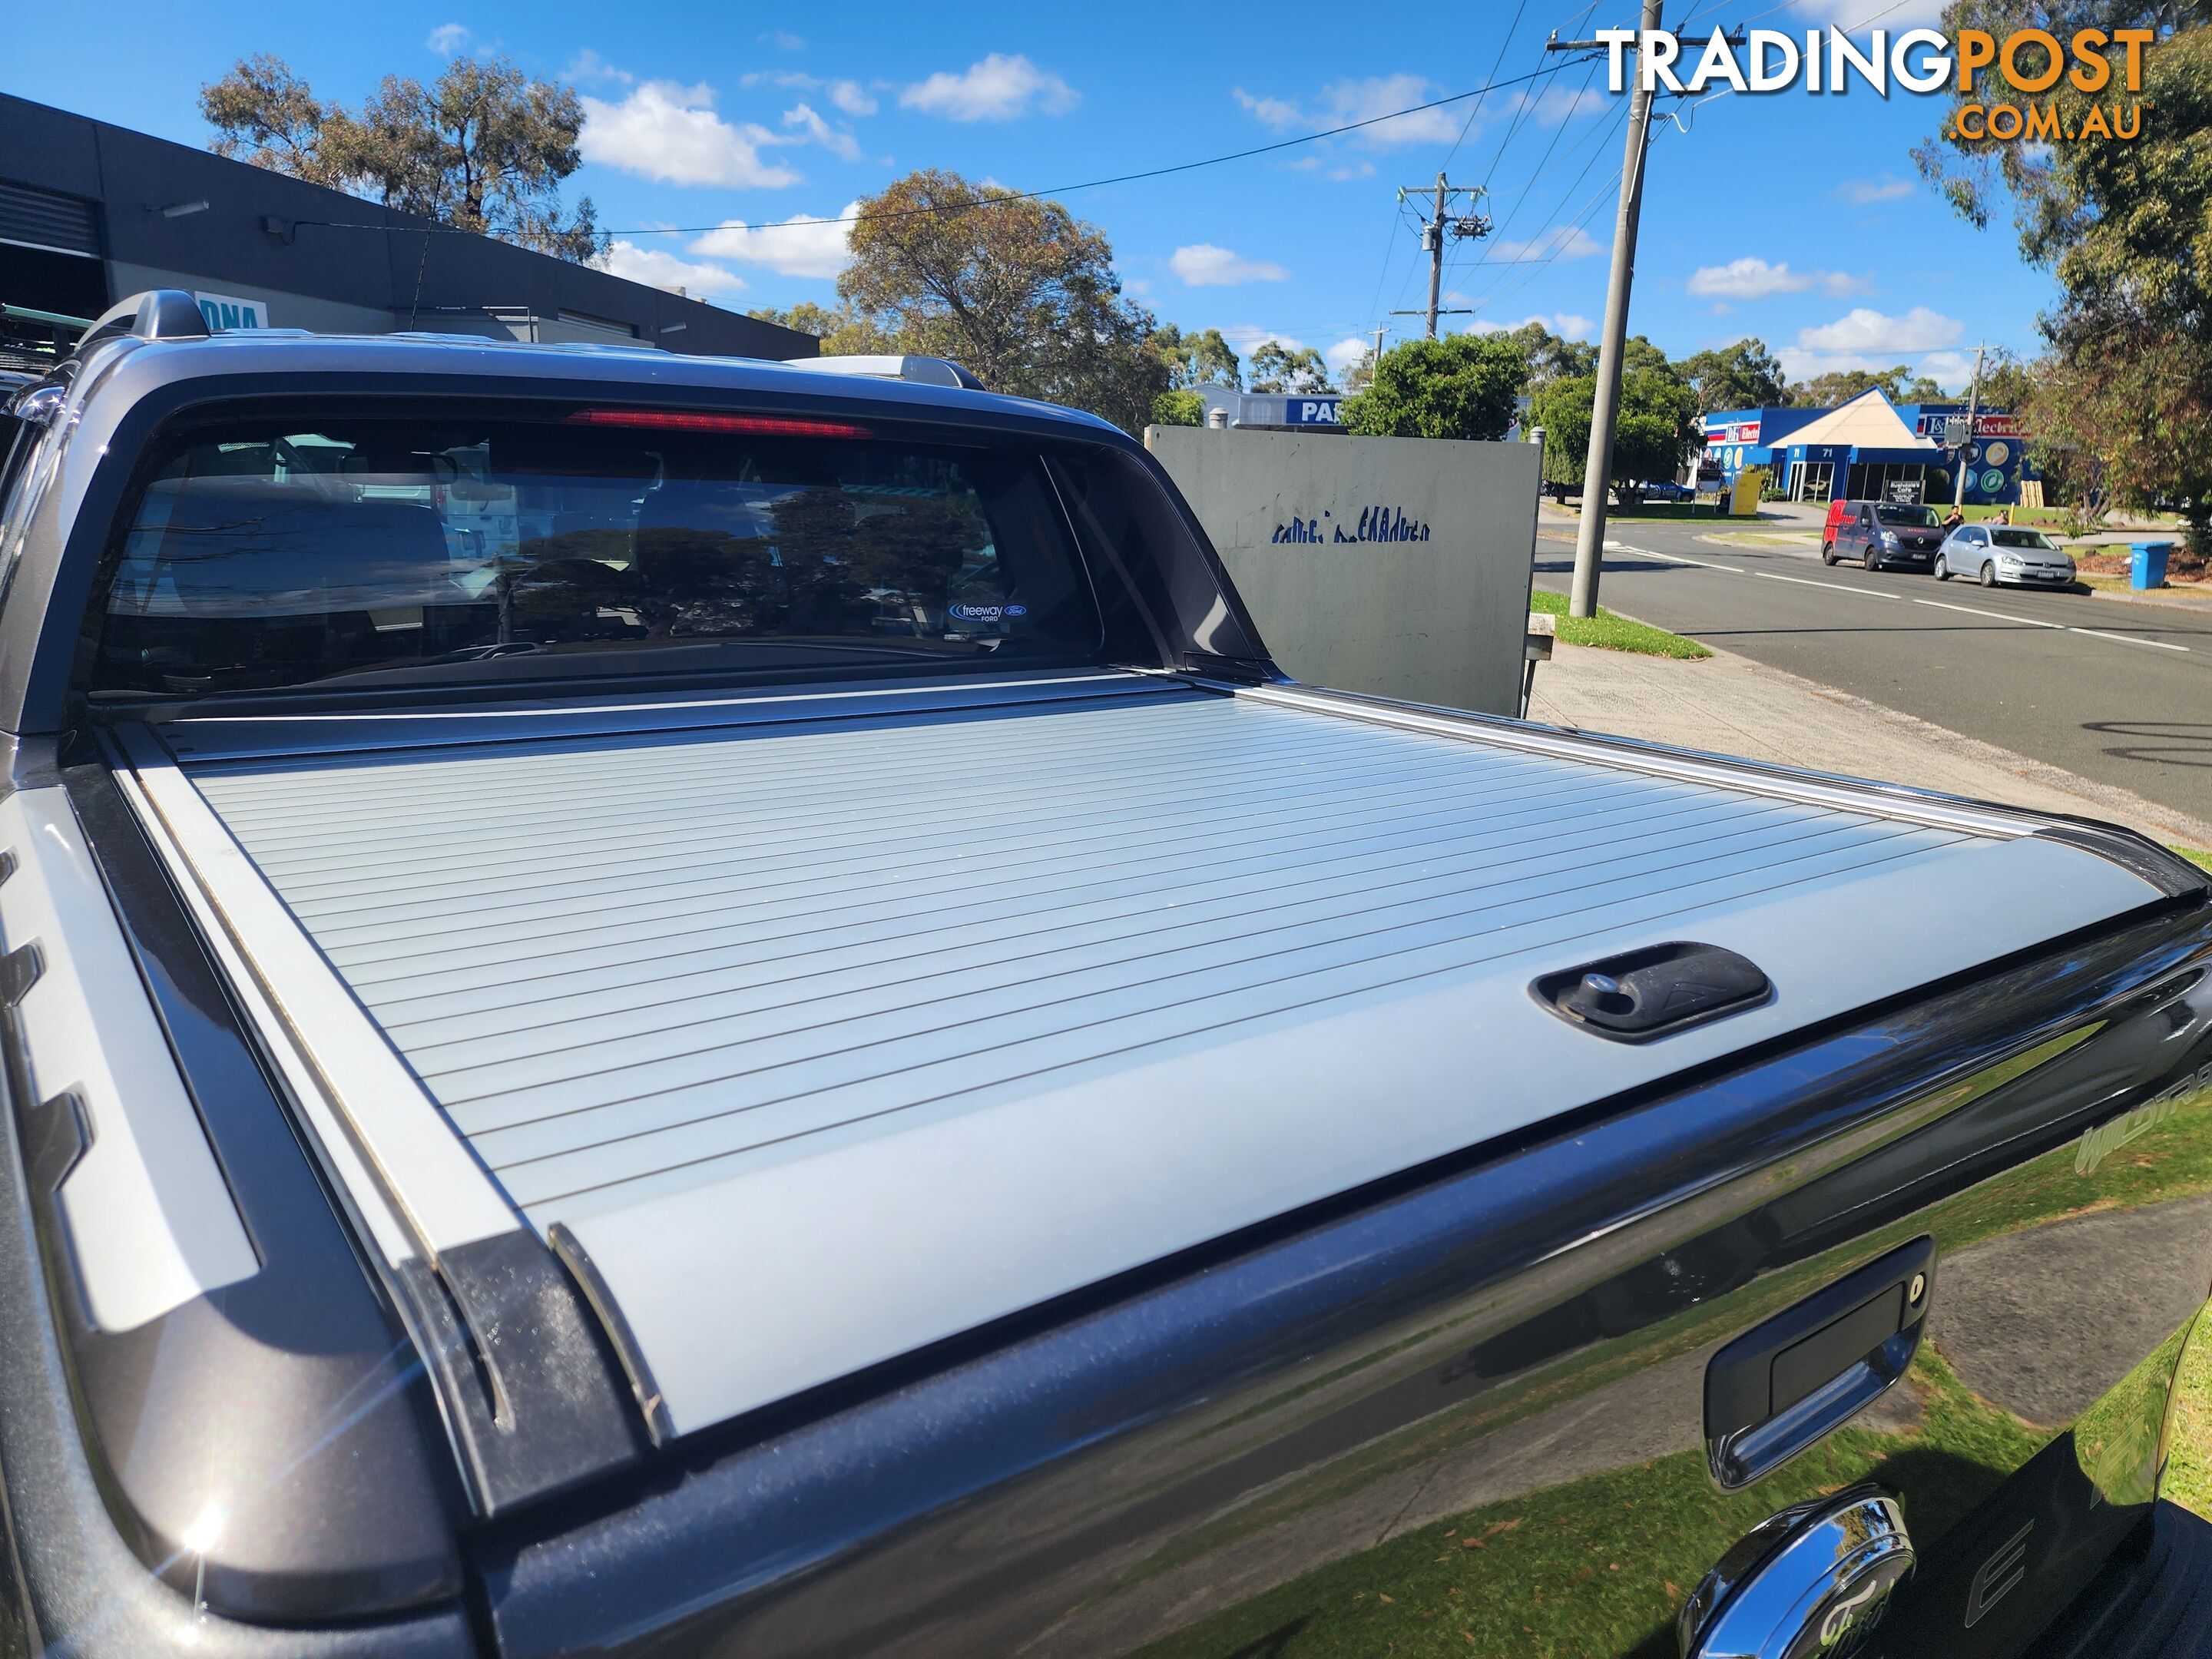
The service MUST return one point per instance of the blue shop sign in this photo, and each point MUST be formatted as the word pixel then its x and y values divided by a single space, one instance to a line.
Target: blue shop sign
pixel 1310 411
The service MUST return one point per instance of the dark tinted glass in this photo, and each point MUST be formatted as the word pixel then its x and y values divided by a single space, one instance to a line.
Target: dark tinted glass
pixel 391 551
pixel 1919 517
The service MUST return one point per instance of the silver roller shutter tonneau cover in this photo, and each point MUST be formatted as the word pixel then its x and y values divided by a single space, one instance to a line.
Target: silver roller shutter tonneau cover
pixel 827 1026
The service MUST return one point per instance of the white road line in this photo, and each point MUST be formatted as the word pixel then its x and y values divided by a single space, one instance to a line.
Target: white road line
pixel 1867 594
pixel 1672 558
pixel 2128 639
pixel 2064 628
pixel 1832 587
pixel 1971 610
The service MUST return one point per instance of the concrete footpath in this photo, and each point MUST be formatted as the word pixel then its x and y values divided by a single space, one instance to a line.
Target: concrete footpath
pixel 1735 706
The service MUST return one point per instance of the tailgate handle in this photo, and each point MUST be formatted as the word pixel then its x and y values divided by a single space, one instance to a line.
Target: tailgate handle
pixel 1661 989
pixel 1781 1385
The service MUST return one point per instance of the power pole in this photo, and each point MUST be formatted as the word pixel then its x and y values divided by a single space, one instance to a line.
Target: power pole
pixel 1440 224
pixel 1432 237
pixel 1973 410
pixel 1598 473
pixel 1374 359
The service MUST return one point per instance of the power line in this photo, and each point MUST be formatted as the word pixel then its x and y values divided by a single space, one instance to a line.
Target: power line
pixel 1509 285
pixel 1528 101
pixel 1383 276
pixel 1521 198
pixel 1010 196
pixel 1497 63
pixel 1601 131
pixel 1518 275
pixel 1391 247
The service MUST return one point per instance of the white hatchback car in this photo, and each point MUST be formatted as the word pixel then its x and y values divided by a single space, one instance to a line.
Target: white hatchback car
pixel 1994 553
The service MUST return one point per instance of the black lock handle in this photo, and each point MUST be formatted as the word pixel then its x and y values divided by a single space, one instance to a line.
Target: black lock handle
pixel 1781 1385
pixel 1654 992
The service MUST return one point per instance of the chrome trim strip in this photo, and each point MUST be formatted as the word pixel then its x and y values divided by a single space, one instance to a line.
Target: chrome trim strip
pixel 314 1116
pixel 424 1167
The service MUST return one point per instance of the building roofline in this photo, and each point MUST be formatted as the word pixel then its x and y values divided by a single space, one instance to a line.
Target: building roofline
pixel 60 151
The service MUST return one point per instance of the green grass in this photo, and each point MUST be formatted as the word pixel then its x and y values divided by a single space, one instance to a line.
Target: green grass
pixel 2196 855
pixel 2188 1479
pixel 1610 633
pixel 2035 515
pixel 1599 1565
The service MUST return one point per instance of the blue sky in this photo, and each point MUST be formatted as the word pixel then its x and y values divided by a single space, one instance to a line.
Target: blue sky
pixel 1796 218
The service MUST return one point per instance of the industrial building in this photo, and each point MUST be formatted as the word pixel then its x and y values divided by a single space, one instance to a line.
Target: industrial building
pixel 1871 449
pixel 90 213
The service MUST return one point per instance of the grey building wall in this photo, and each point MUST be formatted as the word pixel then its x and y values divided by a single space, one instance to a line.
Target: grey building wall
pixel 1398 567
pixel 321 259
pixel 287 308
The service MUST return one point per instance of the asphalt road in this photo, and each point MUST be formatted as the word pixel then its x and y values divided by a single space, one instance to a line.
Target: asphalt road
pixel 2118 692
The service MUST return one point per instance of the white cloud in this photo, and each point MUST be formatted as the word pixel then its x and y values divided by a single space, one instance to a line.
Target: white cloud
pixel 840 145
pixel 1560 242
pixel 1348 351
pixel 658 268
pixel 1864 328
pixel 784 39
pixel 1865 338
pixel 1204 265
pixel 1276 112
pixel 1565 323
pixel 1337 170
pixel 670 132
pixel 1340 103
pixel 850 96
pixel 993 89
pixel 1953 369
pixel 590 66
pixel 801 245
pixel 449 38
pixel 1755 279
pixel 1247 339
pixel 1887 188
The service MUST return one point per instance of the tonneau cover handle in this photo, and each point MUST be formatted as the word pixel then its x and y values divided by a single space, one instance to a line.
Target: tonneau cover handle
pixel 1652 992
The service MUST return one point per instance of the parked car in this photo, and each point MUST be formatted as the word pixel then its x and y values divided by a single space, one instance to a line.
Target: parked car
pixel 1994 553
pixel 568 1089
pixel 1879 533
pixel 1664 489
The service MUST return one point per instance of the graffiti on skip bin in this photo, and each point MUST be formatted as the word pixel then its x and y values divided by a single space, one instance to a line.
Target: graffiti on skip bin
pixel 1376 524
